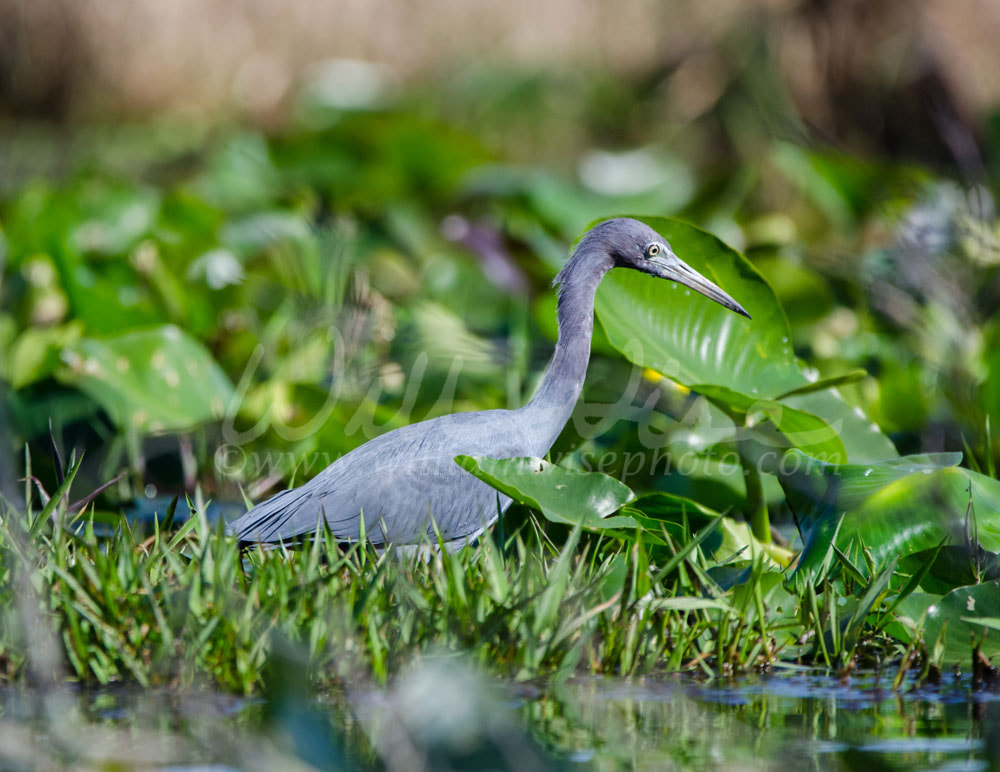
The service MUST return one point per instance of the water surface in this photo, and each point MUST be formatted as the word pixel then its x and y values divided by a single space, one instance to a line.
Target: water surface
pixel 444 715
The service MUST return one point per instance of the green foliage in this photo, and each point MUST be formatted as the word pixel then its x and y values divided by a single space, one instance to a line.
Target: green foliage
pixel 962 619
pixel 742 365
pixel 894 508
pixel 153 380
pixel 300 293
pixel 36 353
pixel 564 496
pixel 675 331
pixel 174 606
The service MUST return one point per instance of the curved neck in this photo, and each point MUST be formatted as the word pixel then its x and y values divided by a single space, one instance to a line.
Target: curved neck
pixel 563 380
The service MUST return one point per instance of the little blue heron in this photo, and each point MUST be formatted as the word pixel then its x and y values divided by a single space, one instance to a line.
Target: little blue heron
pixel 405 482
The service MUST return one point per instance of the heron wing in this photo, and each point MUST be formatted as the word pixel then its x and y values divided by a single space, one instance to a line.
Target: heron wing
pixel 401 485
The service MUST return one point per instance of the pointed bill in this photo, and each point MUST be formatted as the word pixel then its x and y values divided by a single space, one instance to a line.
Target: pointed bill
pixel 673 268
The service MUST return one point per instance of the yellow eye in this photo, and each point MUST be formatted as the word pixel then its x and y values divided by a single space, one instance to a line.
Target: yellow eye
pixel 652 250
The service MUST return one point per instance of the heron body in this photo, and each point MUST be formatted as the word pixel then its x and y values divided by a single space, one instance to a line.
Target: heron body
pixel 400 486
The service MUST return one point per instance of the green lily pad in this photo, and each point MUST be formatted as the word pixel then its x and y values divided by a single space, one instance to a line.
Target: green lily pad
pixel 34 355
pixel 152 380
pixel 564 496
pixel 968 612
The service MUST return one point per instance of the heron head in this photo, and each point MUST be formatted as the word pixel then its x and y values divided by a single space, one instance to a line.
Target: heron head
pixel 639 247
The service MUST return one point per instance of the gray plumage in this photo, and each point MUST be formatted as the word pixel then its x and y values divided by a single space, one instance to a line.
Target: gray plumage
pixel 400 480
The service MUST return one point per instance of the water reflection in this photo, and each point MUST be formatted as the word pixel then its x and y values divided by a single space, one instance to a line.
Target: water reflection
pixel 792 719
pixel 447 717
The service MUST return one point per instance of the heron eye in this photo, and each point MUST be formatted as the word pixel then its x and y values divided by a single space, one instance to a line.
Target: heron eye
pixel 652 250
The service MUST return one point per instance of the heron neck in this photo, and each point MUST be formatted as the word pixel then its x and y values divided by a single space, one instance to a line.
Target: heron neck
pixel 563 380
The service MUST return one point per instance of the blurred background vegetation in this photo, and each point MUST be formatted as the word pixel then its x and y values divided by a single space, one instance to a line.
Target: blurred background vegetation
pixel 237 239
pixel 366 190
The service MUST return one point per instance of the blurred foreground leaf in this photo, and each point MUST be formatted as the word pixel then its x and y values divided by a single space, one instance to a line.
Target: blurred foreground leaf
pixel 893 508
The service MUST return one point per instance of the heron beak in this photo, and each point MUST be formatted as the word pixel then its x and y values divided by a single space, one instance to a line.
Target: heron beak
pixel 673 268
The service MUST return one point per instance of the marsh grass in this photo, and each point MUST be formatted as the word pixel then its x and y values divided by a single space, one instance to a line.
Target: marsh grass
pixel 183 606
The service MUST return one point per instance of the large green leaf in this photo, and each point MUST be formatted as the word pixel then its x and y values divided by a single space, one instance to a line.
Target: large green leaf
pixel 711 350
pixel 965 614
pixel 689 338
pixel 894 508
pixel 563 495
pixel 157 379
